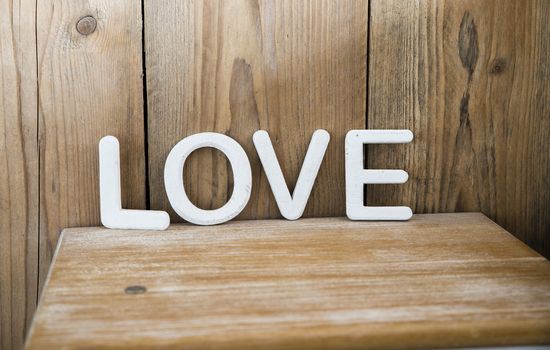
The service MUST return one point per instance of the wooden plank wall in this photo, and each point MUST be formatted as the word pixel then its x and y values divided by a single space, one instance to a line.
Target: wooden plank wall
pixel 288 67
pixel 469 77
pixel 18 171
pixel 472 80
pixel 60 91
pixel 90 86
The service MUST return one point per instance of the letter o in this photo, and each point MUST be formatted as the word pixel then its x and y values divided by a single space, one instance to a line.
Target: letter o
pixel 173 174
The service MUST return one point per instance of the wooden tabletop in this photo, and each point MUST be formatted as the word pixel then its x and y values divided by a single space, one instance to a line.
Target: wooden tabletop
pixel 439 280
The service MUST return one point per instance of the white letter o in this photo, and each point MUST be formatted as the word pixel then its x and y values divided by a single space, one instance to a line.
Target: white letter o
pixel 173 174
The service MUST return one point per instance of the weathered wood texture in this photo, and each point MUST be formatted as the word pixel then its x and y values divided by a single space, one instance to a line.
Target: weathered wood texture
pixel 90 86
pixel 288 67
pixel 18 171
pixel 472 80
pixel 439 281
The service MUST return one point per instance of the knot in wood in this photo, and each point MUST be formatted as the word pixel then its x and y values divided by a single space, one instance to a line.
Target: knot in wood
pixel 86 25
pixel 498 66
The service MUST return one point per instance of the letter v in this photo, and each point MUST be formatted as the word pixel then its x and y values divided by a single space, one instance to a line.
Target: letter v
pixel 291 207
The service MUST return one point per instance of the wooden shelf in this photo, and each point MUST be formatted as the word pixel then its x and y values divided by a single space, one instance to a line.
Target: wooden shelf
pixel 439 280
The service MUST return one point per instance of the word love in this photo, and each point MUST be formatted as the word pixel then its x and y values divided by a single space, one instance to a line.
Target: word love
pixel 290 205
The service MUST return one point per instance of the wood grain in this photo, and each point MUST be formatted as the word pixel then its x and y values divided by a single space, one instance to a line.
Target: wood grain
pixel 18 171
pixel 438 281
pixel 234 67
pixel 90 86
pixel 471 78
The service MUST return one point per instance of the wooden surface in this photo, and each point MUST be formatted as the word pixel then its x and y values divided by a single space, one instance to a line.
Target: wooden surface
pixel 90 86
pixel 440 280
pixel 472 80
pixel 18 171
pixel 289 67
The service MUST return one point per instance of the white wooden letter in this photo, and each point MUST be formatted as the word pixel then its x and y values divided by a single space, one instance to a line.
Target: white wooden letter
pixel 173 174
pixel 357 176
pixel 291 207
pixel 112 214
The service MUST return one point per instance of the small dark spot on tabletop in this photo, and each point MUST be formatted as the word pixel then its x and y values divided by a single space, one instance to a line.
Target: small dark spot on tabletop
pixel 135 290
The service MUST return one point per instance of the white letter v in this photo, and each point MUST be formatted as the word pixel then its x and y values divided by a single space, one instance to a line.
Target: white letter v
pixel 291 207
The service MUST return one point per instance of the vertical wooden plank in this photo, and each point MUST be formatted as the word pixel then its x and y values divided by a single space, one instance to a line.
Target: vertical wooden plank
pixel 18 171
pixel 90 86
pixel 471 78
pixel 234 67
